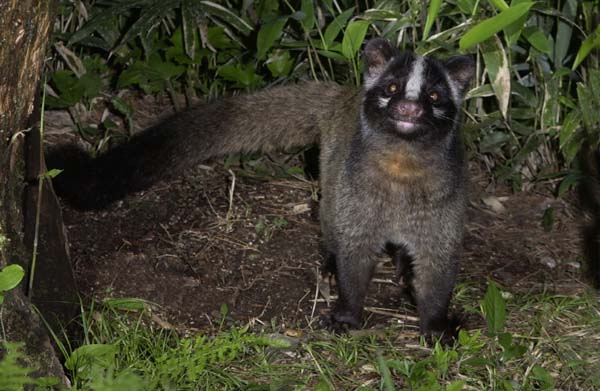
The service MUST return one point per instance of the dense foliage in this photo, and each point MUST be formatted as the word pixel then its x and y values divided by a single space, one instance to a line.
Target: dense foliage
pixel 534 104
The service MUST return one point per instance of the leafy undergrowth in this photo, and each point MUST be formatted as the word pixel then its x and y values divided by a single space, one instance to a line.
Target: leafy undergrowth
pixel 535 342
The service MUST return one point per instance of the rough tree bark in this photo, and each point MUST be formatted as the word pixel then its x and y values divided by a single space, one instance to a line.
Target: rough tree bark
pixel 25 27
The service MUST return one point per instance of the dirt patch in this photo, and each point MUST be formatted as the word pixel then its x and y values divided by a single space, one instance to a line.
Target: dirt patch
pixel 197 243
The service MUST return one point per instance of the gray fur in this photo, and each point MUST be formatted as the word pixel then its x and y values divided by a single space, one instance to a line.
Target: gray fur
pixel 381 188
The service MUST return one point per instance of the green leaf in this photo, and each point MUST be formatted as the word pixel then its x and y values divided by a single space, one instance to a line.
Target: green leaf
pixel 500 5
pixel 493 307
pixel 588 95
pixel 267 9
pixel 456 385
pixel 505 340
pixel 544 379
pixel 107 32
pixel 466 6
pixel 513 31
pixel 127 304
pixel 260 226
pixel 526 96
pixel 591 108
pixel 99 22
pixel 574 138
pixel 336 25
pixel 570 138
pixel 572 179
pixel 478 362
pixel 268 34
pixel 470 343
pixel 353 38
pixel 91 84
pixel 294 170
pixel 493 25
pixel 334 55
pixel 52 173
pixel 177 52
pixel 10 277
pixel 509 385
pixel 551 102
pixel 497 66
pixel 493 142
pixel 537 39
pixel 386 15
pixel 564 32
pixel 386 376
pixel 243 75
pixel 121 106
pixel 512 352
pixel 70 90
pixel 164 70
pixel 134 74
pixel 85 356
pixel 218 39
pixel 151 15
pixel 224 310
pixel 532 144
pixel 227 16
pixel 152 75
pixel 309 15
pixel 73 62
pixel 280 64
pixel 432 13
pixel 481 91
pixel 591 42
pixel 322 385
pixel 190 19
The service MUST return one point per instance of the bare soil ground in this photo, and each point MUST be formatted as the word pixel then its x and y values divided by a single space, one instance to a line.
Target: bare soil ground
pixel 193 244
pixel 196 243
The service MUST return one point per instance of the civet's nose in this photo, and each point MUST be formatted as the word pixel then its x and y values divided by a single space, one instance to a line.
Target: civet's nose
pixel 409 109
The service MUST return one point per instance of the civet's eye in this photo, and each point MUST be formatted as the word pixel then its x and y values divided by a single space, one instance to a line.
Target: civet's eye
pixel 392 88
pixel 434 96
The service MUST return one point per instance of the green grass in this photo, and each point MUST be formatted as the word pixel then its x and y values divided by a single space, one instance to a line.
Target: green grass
pixel 542 342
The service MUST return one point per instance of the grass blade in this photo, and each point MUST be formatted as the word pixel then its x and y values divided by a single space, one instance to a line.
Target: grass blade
pixel 432 13
pixel 491 26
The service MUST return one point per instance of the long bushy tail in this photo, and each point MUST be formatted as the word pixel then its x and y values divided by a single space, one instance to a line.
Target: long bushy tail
pixel 280 117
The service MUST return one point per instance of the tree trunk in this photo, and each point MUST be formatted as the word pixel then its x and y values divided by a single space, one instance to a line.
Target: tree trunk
pixel 25 27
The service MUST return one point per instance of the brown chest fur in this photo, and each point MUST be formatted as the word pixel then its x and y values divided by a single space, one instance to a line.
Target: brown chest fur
pixel 400 166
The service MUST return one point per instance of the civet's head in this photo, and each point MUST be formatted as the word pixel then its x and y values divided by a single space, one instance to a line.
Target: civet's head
pixel 410 95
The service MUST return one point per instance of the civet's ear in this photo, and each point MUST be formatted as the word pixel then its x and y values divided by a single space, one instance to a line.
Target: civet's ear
pixel 377 53
pixel 461 70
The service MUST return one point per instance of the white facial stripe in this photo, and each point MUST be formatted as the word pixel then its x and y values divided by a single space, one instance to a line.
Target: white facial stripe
pixel 383 102
pixel 415 79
